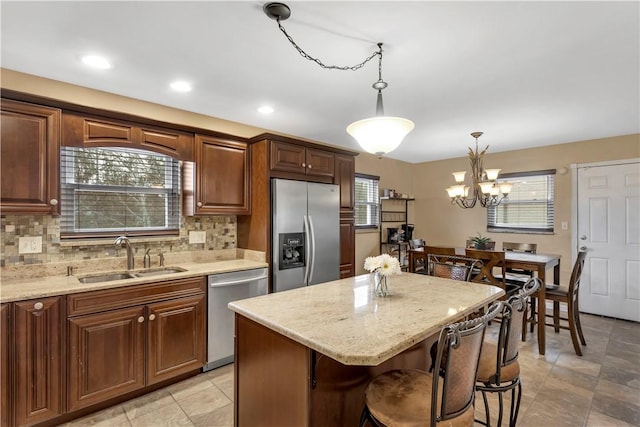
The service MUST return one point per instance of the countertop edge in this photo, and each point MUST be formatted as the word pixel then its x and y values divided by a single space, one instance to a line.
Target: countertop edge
pixel 357 359
pixel 26 289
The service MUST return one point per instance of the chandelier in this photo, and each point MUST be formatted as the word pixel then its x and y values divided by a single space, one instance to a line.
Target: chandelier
pixel 379 134
pixel 486 190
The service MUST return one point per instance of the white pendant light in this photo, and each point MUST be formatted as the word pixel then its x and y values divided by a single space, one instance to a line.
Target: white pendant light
pixel 381 134
pixel 377 135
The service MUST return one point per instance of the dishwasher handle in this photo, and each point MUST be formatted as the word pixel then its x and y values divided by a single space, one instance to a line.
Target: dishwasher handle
pixel 236 282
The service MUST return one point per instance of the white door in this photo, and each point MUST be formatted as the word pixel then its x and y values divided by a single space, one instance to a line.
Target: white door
pixel 608 225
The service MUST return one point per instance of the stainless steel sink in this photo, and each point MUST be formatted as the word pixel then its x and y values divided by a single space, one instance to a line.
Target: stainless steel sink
pixel 158 271
pixel 106 277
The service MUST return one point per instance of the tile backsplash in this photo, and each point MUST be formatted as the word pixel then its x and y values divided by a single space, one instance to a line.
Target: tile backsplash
pixel 221 233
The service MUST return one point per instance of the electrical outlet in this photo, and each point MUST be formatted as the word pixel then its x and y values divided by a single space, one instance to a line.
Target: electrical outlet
pixel 197 237
pixel 30 245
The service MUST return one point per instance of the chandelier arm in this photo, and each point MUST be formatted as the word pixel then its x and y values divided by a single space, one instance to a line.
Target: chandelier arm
pixel 330 67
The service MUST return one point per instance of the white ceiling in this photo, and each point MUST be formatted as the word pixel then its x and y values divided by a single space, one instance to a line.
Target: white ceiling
pixel 526 73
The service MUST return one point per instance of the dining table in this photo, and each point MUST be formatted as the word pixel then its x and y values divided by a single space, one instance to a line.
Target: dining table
pixel 539 263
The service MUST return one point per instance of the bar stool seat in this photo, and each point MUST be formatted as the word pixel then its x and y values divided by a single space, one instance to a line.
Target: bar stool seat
pixel 403 398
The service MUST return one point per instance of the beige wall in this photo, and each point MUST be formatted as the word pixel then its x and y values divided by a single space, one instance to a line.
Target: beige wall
pixel 436 220
pixel 439 222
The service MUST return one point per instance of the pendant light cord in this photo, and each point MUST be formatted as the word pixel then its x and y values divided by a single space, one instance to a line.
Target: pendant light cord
pixel 332 67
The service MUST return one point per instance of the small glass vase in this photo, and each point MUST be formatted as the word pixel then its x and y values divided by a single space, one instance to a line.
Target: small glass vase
pixel 382 284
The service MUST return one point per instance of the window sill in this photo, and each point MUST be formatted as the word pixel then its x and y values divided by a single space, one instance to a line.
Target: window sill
pixel 108 241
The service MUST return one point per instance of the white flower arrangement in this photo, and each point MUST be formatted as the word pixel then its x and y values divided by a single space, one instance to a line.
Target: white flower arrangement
pixel 385 265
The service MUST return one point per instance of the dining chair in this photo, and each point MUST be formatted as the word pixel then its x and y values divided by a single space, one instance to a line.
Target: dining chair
pixel 499 369
pixel 452 266
pixel 491 260
pixel 518 276
pixel 415 397
pixel 419 262
pixel 568 295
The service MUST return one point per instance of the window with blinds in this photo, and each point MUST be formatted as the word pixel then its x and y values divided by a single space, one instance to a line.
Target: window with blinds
pixel 367 206
pixel 112 191
pixel 529 207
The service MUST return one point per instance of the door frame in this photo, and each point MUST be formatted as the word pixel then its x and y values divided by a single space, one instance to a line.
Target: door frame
pixel 574 195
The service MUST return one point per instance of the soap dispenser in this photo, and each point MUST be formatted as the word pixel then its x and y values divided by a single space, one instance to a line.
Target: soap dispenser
pixel 147 259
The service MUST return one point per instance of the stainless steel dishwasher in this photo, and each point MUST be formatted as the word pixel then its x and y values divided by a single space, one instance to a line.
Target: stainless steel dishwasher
pixel 224 288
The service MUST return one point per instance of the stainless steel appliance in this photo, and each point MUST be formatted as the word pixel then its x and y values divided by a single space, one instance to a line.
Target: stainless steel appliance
pixel 224 288
pixel 305 233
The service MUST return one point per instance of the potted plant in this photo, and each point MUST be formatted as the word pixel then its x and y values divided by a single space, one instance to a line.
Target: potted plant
pixel 481 242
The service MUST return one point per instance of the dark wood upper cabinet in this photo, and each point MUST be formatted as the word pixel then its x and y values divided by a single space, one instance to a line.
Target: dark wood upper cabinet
pixel 222 177
pixel 286 157
pixel 80 130
pixel 345 177
pixel 29 159
pixel 39 360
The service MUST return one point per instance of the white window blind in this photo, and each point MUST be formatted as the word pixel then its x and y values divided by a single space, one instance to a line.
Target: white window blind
pixel 529 207
pixel 367 208
pixel 108 191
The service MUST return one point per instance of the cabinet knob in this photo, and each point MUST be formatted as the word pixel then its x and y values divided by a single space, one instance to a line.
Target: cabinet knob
pixel 309 166
pixel 38 306
pixel 53 202
pixel 140 319
pixel 152 317
pixel 199 204
pixel 304 165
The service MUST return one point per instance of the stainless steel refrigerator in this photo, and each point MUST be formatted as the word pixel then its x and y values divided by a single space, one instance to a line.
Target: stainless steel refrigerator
pixel 305 233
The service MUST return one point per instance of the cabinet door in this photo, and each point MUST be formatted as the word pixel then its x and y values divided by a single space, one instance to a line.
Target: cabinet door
pixel 320 162
pixel 5 382
pixel 176 340
pixel 287 157
pixel 345 178
pixel 222 177
pixel 347 246
pixel 29 159
pixel 106 355
pixel 38 360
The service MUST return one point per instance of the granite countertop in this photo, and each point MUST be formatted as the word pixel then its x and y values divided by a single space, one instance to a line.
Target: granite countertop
pixel 17 289
pixel 344 319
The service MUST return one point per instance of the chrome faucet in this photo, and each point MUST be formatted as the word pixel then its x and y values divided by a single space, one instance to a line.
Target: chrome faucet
pixel 124 240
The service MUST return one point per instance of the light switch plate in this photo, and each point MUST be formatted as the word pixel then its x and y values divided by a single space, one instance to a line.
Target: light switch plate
pixel 197 237
pixel 564 225
pixel 30 245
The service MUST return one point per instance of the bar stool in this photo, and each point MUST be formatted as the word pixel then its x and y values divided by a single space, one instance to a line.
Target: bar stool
pixel 410 397
pixel 499 370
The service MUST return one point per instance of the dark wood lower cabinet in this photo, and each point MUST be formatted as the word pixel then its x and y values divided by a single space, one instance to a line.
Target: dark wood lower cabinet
pixel 280 382
pixel 119 345
pixel 39 360
pixel 5 381
pixel 176 337
pixel 106 355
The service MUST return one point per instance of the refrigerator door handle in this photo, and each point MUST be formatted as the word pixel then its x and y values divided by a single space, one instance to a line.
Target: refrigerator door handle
pixel 313 248
pixel 307 248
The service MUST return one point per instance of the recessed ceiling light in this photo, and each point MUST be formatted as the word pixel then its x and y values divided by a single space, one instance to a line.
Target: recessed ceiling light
pixel 181 86
pixel 96 61
pixel 265 109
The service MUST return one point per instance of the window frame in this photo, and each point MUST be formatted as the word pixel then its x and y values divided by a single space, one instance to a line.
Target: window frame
pixel 375 193
pixel 550 202
pixel 68 188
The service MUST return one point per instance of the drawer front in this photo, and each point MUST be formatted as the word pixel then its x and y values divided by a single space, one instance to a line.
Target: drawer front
pixel 110 299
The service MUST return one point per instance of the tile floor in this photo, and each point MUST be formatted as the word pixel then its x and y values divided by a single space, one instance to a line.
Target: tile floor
pixel 600 389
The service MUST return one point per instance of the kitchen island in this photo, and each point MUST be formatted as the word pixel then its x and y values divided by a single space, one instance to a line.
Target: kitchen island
pixel 303 357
